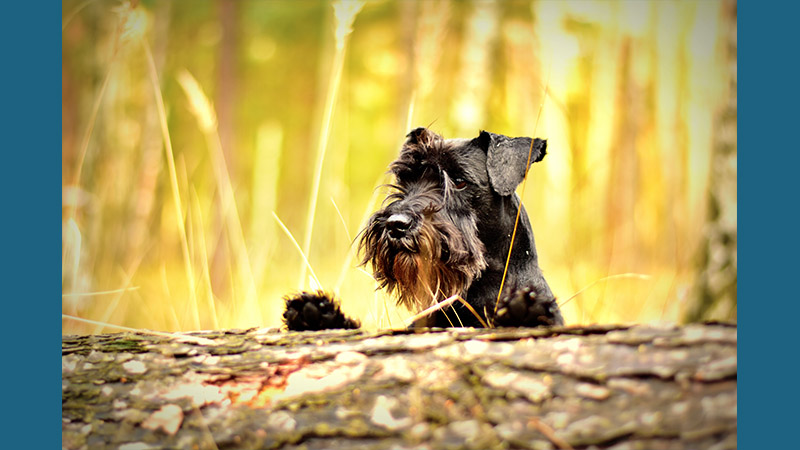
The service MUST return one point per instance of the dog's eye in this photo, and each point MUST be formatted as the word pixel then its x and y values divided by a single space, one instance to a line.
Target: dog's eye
pixel 460 183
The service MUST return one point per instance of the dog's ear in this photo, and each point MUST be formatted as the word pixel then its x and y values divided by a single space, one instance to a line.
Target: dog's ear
pixel 506 159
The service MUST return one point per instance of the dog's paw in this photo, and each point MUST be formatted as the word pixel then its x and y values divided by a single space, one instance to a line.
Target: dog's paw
pixel 308 311
pixel 526 308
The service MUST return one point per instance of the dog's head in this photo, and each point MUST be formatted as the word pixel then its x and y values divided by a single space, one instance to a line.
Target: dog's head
pixel 424 243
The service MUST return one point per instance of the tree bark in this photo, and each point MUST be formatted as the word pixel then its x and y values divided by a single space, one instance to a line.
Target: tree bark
pixel 653 387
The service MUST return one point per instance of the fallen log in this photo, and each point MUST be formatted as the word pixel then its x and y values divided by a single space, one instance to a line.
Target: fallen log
pixel 621 387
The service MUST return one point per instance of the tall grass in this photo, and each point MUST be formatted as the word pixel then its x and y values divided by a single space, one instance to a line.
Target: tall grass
pixel 345 12
pixel 165 229
pixel 173 179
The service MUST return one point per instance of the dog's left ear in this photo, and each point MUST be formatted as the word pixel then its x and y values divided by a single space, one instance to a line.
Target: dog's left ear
pixel 506 159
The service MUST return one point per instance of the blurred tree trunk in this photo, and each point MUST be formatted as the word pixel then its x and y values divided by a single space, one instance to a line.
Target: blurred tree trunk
pixel 226 77
pixel 69 108
pixel 624 168
pixel 714 292
pixel 151 147
pixel 468 110
pixel 225 104
pixel 409 11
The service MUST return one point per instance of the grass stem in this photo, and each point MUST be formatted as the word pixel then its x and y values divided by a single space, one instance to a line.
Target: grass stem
pixel 173 178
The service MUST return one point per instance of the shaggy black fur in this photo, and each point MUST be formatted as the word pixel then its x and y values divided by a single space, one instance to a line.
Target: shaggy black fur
pixel 308 311
pixel 523 306
pixel 445 230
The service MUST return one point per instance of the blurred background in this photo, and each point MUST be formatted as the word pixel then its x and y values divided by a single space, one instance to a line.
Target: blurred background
pixel 219 154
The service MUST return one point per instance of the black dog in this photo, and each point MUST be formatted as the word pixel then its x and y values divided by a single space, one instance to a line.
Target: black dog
pixel 446 231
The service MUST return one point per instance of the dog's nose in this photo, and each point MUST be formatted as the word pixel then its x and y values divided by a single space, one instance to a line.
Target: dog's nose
pixel 397 225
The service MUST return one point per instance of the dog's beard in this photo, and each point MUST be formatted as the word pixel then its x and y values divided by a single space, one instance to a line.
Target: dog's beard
pixel 435 262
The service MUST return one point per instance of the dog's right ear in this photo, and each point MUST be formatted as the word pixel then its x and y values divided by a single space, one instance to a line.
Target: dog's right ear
pixel 507 159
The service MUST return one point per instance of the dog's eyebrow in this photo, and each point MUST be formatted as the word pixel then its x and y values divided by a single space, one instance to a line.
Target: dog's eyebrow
pixel 456 171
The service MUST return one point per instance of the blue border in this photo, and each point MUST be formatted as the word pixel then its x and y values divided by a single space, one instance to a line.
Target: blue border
pixel 768 165
pixel 768 245
pixel 31 38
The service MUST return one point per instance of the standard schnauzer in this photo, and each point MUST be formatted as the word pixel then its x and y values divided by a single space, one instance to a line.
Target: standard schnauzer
pixel 445 231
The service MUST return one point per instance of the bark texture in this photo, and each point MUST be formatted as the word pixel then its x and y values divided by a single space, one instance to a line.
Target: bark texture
pixel 648 387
